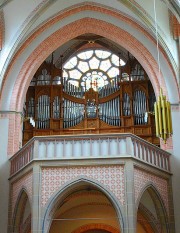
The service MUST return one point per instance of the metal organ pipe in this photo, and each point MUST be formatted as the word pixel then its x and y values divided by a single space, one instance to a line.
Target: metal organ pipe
pixel 139 100
pixel 39 112
pixel 68 113
pixel 65 113
pixel 139 107
pixel 73 113
pixel 30 108
pixel 134 108
pixel 43 116
pixel 110 112
pixel 56 107
pixel 43 111
pixel 118 111
pixel 47 113
pixel 145 108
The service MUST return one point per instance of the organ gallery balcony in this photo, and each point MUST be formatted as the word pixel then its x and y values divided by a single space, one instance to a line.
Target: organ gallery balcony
pixel 87 161
pixel 87 148
pixel 50 173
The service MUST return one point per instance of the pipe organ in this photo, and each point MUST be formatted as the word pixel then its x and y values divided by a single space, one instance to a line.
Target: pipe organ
pixel 60 108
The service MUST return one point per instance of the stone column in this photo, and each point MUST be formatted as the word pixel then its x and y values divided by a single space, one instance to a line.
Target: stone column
pixel 4 174
pixel 175 164
pixel 36 200
pixel 130 199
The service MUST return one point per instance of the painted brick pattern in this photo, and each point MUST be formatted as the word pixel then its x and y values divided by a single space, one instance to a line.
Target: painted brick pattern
pixel 26 183
pixel 112 177
pixel 141 178
pixel 14 138
pixel 175 27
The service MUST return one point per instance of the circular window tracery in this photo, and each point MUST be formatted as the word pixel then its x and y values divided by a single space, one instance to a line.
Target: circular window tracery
pixel 92 68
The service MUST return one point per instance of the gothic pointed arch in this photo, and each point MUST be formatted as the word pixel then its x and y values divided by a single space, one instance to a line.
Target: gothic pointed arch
pixel 151 211
pixel 22 214
pixel 79 188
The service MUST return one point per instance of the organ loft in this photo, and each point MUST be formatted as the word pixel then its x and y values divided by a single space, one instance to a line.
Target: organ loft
pixel 95 91
pixel 89 116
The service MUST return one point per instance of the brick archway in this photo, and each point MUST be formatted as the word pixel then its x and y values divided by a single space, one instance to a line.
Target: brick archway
pixel 70 31
pixel 57 39
pixel 96 226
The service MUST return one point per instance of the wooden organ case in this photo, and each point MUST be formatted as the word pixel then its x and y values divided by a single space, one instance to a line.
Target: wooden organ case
pixel 60 108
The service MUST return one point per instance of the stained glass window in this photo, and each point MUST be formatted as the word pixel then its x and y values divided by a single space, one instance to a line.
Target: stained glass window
pixel 92 68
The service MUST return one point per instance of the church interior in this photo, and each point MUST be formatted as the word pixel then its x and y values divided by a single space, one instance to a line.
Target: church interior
pixel 89 116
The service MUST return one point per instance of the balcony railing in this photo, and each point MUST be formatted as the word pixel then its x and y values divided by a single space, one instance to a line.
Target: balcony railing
pixel 90 146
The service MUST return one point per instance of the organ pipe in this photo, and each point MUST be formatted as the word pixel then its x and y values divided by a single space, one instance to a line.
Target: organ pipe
pixel 57 104
pixel 163 117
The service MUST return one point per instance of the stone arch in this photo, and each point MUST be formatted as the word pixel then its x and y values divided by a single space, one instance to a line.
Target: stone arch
pixel 18 214
pixel 68 32
pixel 61 36
pixel 107 30
pixel 72 30
pixel 161 225
pixel 66 190
pixel 96 226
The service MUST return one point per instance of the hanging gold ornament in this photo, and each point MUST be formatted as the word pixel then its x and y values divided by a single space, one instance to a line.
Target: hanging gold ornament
pixel 163 121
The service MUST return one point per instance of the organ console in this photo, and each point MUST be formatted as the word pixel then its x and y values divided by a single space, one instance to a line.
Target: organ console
pixel 59 108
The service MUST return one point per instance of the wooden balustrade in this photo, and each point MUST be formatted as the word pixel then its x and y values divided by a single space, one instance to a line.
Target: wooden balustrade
pixel 90 146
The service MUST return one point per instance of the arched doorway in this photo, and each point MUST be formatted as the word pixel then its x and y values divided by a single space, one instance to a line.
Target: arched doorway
pixel 82 207
pixel 151 214
pixel 22 215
